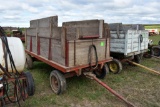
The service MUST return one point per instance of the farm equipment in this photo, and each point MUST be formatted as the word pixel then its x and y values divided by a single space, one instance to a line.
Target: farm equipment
pixel 153 50
pixel 19 34
pixel 127 42
pixel 151 70
pixel 70 49
pixel 76 48
pixel 15 85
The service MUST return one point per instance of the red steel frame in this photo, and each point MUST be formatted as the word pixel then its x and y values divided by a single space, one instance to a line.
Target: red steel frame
pixel 61 67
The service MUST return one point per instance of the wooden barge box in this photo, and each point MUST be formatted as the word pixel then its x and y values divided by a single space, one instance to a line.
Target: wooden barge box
pixel 67 48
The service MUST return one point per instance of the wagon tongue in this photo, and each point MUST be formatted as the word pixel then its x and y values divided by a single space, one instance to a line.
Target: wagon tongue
pixel 90 75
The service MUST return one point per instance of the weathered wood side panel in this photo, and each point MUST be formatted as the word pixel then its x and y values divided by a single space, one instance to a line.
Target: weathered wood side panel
pixel 31 31
pixel 115 35
pixel 34 45
pixel 44 22
pixel 79 29
pixel 134 44
pixel 88 31
pixel 28 42
pixel 129 42
pixel 56 52
pixel 117 45
pixel 79 56
pixel 34 23
pixel 84 23
pixel 44 32
pixel 44 47
pixel 57 33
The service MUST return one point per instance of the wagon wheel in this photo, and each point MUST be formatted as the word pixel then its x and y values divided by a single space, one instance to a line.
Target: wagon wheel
pixel 155 50
pixel 29 62
pixel 115 66
pixel 147 55
pixel 159 43
pixel 30 86
pixel 137 58
pixel 57 82
pixel 101 73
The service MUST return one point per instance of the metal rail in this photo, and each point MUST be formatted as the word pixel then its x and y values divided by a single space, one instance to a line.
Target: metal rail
pixel 92 76
pixel 151 70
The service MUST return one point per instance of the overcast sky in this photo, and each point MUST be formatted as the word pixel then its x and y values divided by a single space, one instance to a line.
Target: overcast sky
pixel 20 12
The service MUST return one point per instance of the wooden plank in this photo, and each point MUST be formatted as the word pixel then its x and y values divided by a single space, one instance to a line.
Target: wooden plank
pixel 31 31
pixel 119 45
pixel 37 40
pixel 117 50
pixel 57 33
pixel 45 22
pixel 26 39
pixel 82 48
pixel 88 31
pixel 28 42
pixel 57 53
pixel 63 42
pixel 34 45
pixel 115 36
pixel 33 23
pixel 44 44
pixel 44 32
pixel 101 27
pixel 71 33
pixel 79 29
pixel 83 23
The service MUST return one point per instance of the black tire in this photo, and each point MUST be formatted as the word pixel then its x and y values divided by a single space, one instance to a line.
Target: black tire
pixel 147 55
pixel 30 86
pixel 57 82
pixel 155 50
pixel 29 62
pixel 137 58
pixel 159 43
pixel 115 66
pixel 101 73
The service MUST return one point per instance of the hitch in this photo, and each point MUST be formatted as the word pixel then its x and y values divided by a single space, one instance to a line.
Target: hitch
pixel 90 75
pixel 151 70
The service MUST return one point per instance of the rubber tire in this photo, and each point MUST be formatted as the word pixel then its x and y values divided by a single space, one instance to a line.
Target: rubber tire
pixel 29 62
pixel 137 58
pixel 103 72
pixel 153 52
pixel 61 82
pixel 147 55
pixel 159 43
pixel 118 63
pixel 30 83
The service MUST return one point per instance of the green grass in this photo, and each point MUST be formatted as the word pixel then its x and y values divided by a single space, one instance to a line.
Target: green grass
pixel 153 27
pixel 137 85
pixel 155 39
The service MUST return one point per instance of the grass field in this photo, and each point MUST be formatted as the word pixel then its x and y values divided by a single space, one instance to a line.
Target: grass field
pixel 137 85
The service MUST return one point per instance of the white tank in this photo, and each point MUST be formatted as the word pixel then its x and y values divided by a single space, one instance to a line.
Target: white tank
pixel 18 54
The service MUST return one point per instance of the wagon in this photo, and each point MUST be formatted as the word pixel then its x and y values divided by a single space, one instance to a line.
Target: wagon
pixel 126 42
pixel 74 48
pixel 153 50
